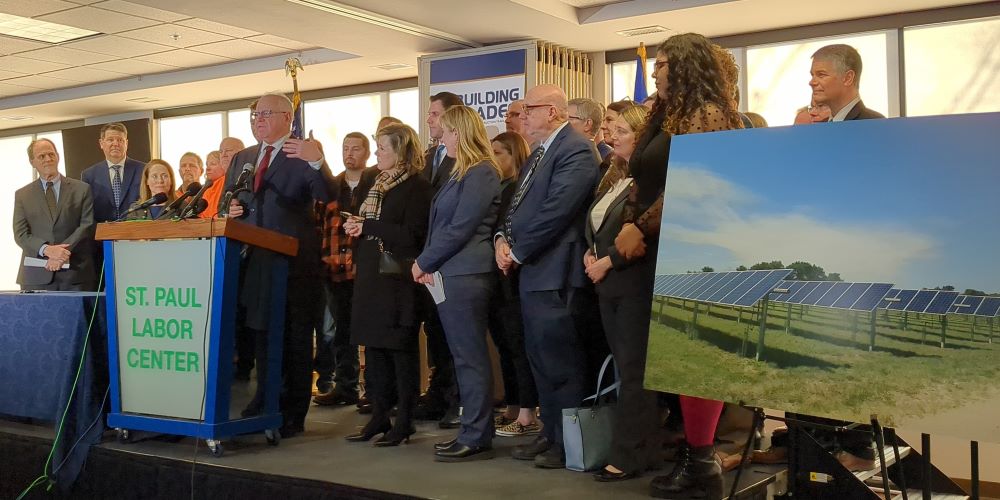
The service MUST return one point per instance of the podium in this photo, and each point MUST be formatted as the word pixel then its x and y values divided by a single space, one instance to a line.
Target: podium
pixel 171 315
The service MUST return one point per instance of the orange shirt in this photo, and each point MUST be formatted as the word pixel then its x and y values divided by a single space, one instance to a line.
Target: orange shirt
pixel 212 195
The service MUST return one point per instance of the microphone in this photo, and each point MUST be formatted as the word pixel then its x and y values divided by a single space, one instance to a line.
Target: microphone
pixel 240 185
pixel 199 207
pixel 193 188
pixel 186 211
pixel 155 200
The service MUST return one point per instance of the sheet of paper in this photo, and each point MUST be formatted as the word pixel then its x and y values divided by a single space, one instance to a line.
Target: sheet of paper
pixel 36 262
pixel 437 289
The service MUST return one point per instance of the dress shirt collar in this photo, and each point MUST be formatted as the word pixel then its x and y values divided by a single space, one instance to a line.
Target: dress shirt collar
pixel 839 117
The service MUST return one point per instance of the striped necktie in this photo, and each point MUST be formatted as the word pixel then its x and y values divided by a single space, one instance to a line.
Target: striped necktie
pixel 536 159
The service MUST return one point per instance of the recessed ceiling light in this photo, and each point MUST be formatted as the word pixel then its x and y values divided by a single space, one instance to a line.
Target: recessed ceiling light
pixel 42 31
pixel 143 100
pixel 645 30
pixel 15 118
pixel 392 66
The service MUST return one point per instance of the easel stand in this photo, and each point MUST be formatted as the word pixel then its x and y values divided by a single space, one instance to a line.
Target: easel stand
pixel 172 288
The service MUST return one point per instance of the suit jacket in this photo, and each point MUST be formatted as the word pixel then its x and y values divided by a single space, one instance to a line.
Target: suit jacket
pixel 443 172
pixel 547 225
pixel 385 311
pixel 73 224
pixel 100 187
pixel 627 277
pixel 860 112
pixel 463 215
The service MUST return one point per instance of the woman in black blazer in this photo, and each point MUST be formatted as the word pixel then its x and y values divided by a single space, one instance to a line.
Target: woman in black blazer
pixel 393 218
pixel 623 289
pixel 157 178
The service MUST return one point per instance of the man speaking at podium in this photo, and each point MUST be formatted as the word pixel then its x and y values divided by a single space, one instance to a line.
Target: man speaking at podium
pixel 280 196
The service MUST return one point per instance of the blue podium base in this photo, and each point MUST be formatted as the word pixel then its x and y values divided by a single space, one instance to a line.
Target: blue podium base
pixel 194 428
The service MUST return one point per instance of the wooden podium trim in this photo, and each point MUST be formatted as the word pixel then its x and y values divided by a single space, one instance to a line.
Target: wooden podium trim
pixel 198 228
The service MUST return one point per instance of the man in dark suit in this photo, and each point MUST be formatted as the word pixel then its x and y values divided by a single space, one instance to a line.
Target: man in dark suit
pixel 543 237
pixel 114 182
pixel 281 196
pixel 54 220
pixel 836 77
pixel 441 399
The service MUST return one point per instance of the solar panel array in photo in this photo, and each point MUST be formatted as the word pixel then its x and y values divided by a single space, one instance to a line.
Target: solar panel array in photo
pixel 976 305
pixel 919 301
pixel 736 288
pixel 833 294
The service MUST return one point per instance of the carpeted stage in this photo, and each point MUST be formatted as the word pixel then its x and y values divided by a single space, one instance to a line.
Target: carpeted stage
pixel 317 464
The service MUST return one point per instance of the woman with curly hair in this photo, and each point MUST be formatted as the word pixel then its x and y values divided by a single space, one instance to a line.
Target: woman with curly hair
pixel 693 95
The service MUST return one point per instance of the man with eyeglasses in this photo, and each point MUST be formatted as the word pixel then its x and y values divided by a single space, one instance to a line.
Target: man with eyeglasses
pixel 512 120
pixel 585 116
pixel 281 197
pixel 541 237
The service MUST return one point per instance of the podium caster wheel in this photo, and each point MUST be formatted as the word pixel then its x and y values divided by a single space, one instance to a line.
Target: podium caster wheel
pixel 273 436
pixel 123 435
pixel 215 447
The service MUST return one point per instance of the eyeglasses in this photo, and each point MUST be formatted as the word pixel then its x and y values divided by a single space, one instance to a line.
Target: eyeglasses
pixel 529 107
pixel 571 117
pixel 513 114
pixel 267 113
pixel 658 65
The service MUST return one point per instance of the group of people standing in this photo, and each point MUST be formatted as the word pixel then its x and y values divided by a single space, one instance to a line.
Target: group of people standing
pixel 518 231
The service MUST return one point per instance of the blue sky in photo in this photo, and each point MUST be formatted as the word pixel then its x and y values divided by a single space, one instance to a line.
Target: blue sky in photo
pixel 914 201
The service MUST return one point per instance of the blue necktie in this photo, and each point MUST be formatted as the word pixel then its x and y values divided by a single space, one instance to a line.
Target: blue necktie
pixel 116 188
pixel 536 158
pixel 438 157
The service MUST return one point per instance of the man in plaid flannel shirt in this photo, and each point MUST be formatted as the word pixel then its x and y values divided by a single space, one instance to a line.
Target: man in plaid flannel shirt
pixel 336 359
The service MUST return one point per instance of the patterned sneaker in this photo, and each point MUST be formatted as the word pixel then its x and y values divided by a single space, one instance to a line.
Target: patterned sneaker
pixel 515 429
pixel 502 420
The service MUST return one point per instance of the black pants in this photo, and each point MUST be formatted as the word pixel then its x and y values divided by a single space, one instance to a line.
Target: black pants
pixel 635 436
pixel 587 318
pixel 392 378
pixel 442 389
pixel 507 330
pixel 301 311
pixel 336 359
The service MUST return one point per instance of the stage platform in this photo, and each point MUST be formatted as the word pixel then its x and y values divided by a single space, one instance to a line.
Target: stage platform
pixel 315 464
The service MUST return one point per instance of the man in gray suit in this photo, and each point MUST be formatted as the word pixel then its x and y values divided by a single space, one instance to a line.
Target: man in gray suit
pixel 54 222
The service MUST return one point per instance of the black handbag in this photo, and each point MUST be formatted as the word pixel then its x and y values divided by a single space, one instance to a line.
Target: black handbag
pixel 390 265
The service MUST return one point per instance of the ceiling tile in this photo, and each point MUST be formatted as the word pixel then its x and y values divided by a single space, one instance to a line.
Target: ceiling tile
pixel 184 59
pixel 240 49
pixel 84 2
pixel 86 75
pixel 132 67
pixel 118 46
pixel 281 42
pixel 8 90
pixel 29 66
pixel 64 55
pixel 11 45
pixel 42 82
pixel 166 34
pixel 214 27
pixel 4 74
pixel 32 8
pixel 140 10
pixel 100 20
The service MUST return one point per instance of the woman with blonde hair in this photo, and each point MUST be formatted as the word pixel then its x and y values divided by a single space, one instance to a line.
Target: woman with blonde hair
pixel 390 229
pixel 458 257
pixel 157 177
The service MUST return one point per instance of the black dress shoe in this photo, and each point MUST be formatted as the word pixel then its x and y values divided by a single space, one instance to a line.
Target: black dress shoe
pixel 553 458
pixel 393 438
pixel 450 420
pixel 364 407
pixel 444 445
pixel 528 451
pixel 369 431
pixel 464 453
pixel 606 476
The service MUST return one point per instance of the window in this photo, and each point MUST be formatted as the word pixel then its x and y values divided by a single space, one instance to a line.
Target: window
pixel 332 119
pixel 405 105
pixel 199 134
pixel 20 173
pixel 778 75
pixel 949 68
pixel 239 127
pixel 623 79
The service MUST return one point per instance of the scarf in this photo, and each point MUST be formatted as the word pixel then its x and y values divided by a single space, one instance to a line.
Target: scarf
pixel 372 206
